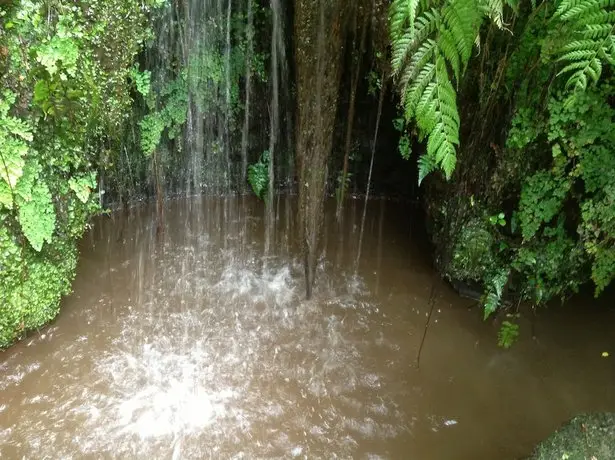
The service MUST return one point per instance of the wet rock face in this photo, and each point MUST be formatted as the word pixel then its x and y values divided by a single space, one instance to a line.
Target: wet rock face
pixel 587 436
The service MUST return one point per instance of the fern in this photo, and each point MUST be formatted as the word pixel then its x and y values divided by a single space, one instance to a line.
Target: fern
pixel 508 334
pixel 494 290
pixel 258 175
pixel 403 13
pixel 432 44
pixel 591 26
pixel 494 9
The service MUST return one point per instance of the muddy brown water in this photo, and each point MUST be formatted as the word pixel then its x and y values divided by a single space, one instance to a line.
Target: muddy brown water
pixel 197 343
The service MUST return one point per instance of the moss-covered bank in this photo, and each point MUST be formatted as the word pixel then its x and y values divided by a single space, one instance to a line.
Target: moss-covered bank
pixel 588 436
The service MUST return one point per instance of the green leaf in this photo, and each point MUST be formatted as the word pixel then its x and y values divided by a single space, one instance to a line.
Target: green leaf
pixel 14 134
pixel 258 175
pixel 41 91
pixel 592 24
pixel 426 166
pixel 429 44
pixel 142 81
pixel 59 52
pixel 542 198
pixel 82 186
pixel 6 197
pixel 152 127
pixel 12 162
pixel 508 334
pixel 37 216
pixel 405 148
pixel 495 289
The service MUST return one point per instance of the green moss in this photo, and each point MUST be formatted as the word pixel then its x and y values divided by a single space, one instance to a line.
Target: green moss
pixel 473 255
pixel 584 437
pixel 66 96
pixel 31 297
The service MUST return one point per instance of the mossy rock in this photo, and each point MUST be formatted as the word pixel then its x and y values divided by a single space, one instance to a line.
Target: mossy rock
pixel 585 437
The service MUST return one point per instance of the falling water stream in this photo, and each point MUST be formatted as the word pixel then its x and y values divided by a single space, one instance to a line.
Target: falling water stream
pixel 188 344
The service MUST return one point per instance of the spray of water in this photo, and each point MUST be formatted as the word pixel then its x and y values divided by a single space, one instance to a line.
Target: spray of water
pixel 208 352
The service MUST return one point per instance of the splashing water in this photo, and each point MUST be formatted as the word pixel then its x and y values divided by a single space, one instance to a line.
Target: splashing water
pixel 216 350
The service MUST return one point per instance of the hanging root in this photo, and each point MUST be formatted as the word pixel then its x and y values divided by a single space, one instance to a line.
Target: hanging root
pixel 432 303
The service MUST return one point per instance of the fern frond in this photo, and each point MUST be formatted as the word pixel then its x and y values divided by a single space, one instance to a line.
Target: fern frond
pixel 582 8
pixel 596 17
pixel 579 65
pixel 494 9
pixel 508 334
pixel 426 24
pixel 592 23
pixel 608 52
pixel 596 31
pixel 410 40
pixel 412 6
pixel 402 15
pixel 398 18
pixel 401 49
pixel 417 89
pixel 419 60
pixel 432 46
pixel 579 45
pixel 566 5
pixel 425 111
pixel 578 55
pixel 437 115
pixel 494 290
pixel 448 47
pixel 594 70
pixel 426 166
pixel 459 17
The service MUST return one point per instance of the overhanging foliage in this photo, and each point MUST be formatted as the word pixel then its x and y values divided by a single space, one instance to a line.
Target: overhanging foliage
pixel 552 181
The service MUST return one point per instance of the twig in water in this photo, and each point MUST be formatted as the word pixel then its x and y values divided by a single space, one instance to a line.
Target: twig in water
pixel 432 302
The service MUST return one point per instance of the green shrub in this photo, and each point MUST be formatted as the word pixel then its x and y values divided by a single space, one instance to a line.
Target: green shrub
pixel 64 70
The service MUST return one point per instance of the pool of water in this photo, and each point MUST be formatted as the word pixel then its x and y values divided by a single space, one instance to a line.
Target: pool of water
pixel 196 342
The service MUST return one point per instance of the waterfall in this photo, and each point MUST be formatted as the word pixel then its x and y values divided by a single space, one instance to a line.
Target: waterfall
pixel 210 91
pixel 274 129
pixel 227 115
pixel 319 36
pixel 278 72
pixel 194 94
pixel 245 134
pixel 281 102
